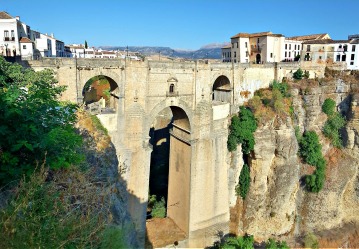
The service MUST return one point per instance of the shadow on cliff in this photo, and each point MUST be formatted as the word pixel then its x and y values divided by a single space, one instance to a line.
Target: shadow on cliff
pixel 105 165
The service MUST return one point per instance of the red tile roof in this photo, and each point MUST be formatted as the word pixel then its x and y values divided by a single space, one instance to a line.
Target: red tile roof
pixel 5 15
pixel 25 40
pixel 247 35
pixel 309 37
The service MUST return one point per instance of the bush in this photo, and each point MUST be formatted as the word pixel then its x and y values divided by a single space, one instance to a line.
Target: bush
pixel 306 74
pixel 272 244
pixel 334 123
pixel 311 241
pixel 282 87
pixel 311 152
pixel 298 75
pixel 159 209
pixel 244 182
pixel 241 130
pixel 240 242
pixel 328 106
pixel 310 148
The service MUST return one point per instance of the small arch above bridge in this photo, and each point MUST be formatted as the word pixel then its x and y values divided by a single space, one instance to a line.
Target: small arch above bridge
pixel 221 89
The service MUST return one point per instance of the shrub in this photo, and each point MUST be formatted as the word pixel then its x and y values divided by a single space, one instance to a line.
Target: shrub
pixel 306 74
pixel 298 75
pixel 311 241
pixel 282 87
pixel 334 123
pixel 272 244
pixel 310 148
pixel 311 152
pixel 159 209
pixel 328 106
pixel 244 182
pixel 240 242
pixel 241 130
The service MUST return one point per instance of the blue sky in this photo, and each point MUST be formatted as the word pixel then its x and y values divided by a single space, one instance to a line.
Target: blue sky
pixel 182 24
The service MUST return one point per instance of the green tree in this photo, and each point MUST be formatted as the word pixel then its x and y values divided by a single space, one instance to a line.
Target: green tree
pixel 298 75
pixel 86 46
pixel 244 182
pixel 34 124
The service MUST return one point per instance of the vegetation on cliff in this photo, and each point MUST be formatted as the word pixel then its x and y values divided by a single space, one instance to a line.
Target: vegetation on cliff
pixel 311 152
pixel 244 181
pixel 56 199
pixel 334 123
pixel 34 125
pixel 272 103
pixel 241 131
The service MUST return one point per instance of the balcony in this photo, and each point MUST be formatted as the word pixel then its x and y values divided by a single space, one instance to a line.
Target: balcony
pixel 255 49
pixel 6 38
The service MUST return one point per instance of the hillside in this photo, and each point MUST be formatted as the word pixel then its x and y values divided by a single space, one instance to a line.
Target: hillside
pixel 210 51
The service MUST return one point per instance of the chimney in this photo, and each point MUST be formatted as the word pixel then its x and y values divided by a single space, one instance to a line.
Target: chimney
pixel 52 35
pixel 17 18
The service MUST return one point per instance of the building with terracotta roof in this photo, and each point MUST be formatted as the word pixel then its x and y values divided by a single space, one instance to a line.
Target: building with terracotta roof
pixel 256 47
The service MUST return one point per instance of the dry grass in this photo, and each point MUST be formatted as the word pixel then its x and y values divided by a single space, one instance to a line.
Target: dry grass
pixel 86 122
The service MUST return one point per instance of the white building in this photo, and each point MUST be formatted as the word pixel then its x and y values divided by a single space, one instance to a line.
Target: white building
pixel 257 48
pixel 348 52
pixel 291 49
pixel 11 31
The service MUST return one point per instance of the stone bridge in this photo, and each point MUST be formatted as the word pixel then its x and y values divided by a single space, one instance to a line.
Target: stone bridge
pixel 201 96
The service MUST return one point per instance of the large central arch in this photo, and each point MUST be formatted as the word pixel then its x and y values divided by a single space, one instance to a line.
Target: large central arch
pixel 178 195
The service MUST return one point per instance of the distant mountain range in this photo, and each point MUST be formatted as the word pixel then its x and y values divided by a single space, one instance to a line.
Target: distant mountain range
pixel 209 51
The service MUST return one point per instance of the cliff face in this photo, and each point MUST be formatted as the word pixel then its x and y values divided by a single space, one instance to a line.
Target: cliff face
pixel 278 204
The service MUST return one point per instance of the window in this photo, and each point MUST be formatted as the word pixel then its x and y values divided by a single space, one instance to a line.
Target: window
pixel 246 44
pixel 308 48
pixel 289 54
pixel 320 57
pixel 247 53
pixel 340 46
pixel 353 48
pixel 237 44
pixel 285 54
pixel 23 46
pixel 345 48
pixel 298 47
pixel 6 35
pixel 295 47
pixel 352 57
pixel 235 54
pixel 13 35
pixel 352 63
pixel 286 46
pixel 290 46
pixel 232 45
pixel 257 40
pixel 271 55
pixel 172 88
pixel 338 57
pixel 344 57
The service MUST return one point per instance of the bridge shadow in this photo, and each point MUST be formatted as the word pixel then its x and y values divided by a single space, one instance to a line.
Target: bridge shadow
pixel 104 165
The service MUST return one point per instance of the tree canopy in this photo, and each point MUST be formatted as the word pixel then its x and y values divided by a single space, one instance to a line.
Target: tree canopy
pixel 35 126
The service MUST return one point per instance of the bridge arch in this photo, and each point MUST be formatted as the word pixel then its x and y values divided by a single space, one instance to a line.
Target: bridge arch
pixel 221 89
pixel 103 90
pixel 176 135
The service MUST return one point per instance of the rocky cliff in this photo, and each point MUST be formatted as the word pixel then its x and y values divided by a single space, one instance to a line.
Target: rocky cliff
pixel 278 205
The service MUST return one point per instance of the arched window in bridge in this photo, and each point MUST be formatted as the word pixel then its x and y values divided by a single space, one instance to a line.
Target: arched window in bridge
pixel 172 88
